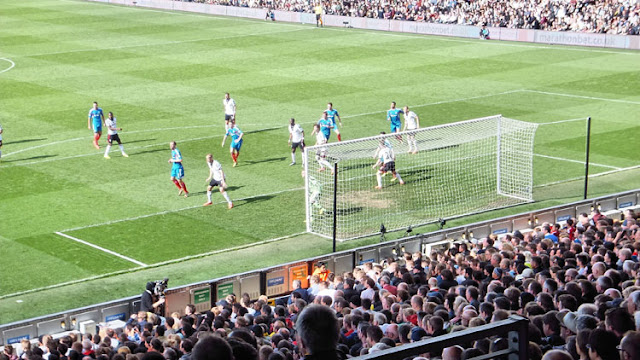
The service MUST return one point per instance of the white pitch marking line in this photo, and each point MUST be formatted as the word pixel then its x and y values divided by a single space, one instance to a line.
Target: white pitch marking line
pixel 102 249
pixel 577 161
pixel 438 103
pixel 10 67
pixel 590 176
pixel 44 145
pixel 164 43
pixel 205 126
pixel 563 121
pixel 584 97
pixel 163 263
pixel 174 211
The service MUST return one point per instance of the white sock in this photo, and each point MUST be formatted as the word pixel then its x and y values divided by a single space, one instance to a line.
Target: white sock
pixel 398 176
pixel 209 195
pixel 121 148
pixel 106 152
pixel 226 197
pixel 0 153
pixel 293 157
pixel 379 178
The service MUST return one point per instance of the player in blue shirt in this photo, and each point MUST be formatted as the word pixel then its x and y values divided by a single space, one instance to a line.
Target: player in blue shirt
pixel 393 115
pixel 177 170
pixel 332 114
pixel 95 120
pixel 325 125
pixel 236 141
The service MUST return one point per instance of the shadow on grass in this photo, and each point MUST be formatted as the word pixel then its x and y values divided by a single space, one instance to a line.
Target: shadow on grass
pixel 254 200
pixel 148 151
pixel 251 162
pixel 30 158
pixel 23 141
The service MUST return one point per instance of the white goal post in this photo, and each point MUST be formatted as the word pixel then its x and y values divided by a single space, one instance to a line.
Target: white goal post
pixel 456 169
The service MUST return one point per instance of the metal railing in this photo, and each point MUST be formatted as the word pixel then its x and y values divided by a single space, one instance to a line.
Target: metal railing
pixel 516 328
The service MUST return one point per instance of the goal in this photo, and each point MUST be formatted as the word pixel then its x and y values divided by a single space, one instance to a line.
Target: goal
pixel 458 169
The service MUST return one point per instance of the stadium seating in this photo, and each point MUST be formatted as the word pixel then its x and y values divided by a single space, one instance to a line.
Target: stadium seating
pixel 610 17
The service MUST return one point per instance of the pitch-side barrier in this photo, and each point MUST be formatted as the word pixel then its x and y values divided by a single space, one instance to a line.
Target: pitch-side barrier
pixel 276 281
pixel 400 26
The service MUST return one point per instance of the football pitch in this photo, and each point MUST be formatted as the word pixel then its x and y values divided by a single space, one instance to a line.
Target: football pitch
pixel 69 216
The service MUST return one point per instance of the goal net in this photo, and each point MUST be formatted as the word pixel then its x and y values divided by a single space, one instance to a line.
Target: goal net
pixel 458 169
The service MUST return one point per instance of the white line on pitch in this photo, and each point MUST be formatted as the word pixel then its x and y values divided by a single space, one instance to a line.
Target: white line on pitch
pixel 206 126
pixel 438 103
pixel 102 249
pixel 163 263
pixel 165 43
pixel 584 97
pixel 175 210
pixel 10 67
pixel 590 176
pixel 577 161
pixel 563 121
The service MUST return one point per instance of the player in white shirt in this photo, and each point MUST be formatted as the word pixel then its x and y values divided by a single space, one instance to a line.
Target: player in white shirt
pixel 112 135
pixel 0 141
pixel 229 110
pixel 411 122
pixel 216 178
pixel 296 140
pixel 386 163
pixel 321 154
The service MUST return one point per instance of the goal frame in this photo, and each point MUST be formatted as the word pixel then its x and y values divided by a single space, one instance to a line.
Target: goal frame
pixel 311 149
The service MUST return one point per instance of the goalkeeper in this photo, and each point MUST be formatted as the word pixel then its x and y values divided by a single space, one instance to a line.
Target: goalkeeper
pixel 386 163
pixel 315 189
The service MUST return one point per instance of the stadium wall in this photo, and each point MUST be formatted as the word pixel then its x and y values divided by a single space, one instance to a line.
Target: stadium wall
pixel 463 31
pixel 276 281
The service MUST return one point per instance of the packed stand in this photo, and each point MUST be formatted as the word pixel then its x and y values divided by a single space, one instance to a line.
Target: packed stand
pixel 576 283
pixel 598 16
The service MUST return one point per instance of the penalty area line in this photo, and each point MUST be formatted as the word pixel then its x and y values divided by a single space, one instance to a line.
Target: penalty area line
pixel 139 263
pixel 155 265
pixel 173 211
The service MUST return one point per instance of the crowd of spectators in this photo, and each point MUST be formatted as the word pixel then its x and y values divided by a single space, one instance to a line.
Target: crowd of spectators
pixel 577 283
pixel 593 16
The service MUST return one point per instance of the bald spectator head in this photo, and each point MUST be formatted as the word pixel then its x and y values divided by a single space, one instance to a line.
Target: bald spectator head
pixel 557 355
pixel 452 353
pixel 598 269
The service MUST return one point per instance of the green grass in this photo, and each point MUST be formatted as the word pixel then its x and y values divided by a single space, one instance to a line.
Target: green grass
pixel 164 74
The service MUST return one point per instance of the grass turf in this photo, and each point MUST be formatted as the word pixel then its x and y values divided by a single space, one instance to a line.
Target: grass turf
pixel 164 74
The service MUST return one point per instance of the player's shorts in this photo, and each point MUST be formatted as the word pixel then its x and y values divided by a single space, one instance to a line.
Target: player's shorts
pixel 236 145
pixel 327 135
pixel 228 117
pixel 335 128
pixel 296 145
pixel 318 16
pixel 112 138
pixel 214 183
pixel 412 132
pixel 395 127
pixel 389 167
pixel 97 128
pixel 177 172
